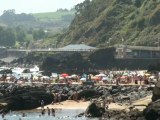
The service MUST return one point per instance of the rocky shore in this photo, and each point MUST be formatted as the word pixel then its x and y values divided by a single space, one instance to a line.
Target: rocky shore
pixel 151 112
pixel 24 97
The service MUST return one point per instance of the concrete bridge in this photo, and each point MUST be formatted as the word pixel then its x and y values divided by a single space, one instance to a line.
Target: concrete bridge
pixel 16 53
pixel 121 51
pixel 68 48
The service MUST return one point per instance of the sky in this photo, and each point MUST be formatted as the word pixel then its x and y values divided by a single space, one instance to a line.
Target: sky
pixel 36 6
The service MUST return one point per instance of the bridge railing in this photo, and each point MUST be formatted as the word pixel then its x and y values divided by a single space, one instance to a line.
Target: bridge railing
pixel 52 50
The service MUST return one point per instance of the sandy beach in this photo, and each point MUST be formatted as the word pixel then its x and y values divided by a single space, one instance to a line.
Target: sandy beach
pixel 139 104
pixel 69 104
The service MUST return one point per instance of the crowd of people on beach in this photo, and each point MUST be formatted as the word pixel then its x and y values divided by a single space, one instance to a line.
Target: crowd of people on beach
pixel 101 78
pixel 109 77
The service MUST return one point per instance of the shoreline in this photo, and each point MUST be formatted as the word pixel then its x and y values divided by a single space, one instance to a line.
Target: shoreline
pixel 68 104
pixel 73 105
pixel 138 104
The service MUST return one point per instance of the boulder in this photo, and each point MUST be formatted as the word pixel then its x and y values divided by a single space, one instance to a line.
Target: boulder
pixel 152 112
pixel 156 92
pixel 23 98
pixel 89 93
pixel 94 111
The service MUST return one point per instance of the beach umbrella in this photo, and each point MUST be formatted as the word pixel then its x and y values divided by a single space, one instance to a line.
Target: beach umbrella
pixel 64 75
pixel 95 78
pixel 74 76
pixel 101 75
pixel 45 77
pixel 105 78
pixel 83 79
pixel 69 77
pixel 125 74
pixel 152 77
pixel 54 75
pixel 8 78
pixel 20 82
pixel 61 78
pixel 147 74
pixel 123 77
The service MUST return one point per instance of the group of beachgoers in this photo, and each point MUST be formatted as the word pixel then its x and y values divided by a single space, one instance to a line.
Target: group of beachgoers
pixel 109 77
pixel 49 111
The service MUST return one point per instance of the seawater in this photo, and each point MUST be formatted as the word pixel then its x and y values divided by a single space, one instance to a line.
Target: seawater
pixel 65 114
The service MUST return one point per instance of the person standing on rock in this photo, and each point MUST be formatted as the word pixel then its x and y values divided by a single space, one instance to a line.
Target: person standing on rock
pixel 42 104
pixel 55 97
pixel 136 81
pixel 54 101
pixel 59 98
pixel 75 96
pixel 118 81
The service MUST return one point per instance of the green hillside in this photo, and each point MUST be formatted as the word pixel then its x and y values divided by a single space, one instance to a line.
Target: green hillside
pixel 53 15
pixel 27 30
pixel 108 22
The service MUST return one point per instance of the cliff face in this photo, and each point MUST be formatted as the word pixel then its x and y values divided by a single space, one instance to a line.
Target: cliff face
pixel 107 22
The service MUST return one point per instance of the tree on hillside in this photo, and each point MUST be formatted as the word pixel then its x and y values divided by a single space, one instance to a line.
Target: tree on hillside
pixel 38 34
pixel 7 37
pixel 8 16
pixel 10 37
pixel 20 34
pixel 85 9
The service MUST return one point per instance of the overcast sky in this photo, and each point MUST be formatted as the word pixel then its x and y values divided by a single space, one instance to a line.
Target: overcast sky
pixel 36 6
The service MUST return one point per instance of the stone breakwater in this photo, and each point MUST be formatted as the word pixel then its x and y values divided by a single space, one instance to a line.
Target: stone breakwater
pixel 16 97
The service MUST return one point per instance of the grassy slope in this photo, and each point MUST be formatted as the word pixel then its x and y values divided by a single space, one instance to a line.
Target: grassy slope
pixel 137 25
pixel 52 15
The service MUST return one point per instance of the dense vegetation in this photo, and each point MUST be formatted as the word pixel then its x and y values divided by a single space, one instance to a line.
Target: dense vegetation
pixel 26 29
pixel 108 22
pixel 98 23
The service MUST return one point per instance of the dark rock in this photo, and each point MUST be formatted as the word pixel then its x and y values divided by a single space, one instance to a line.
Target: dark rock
pixel 152 112
pixel 87 93
pixel 156 92
pixel 23 98
pixel 94 111
pixel 114 91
